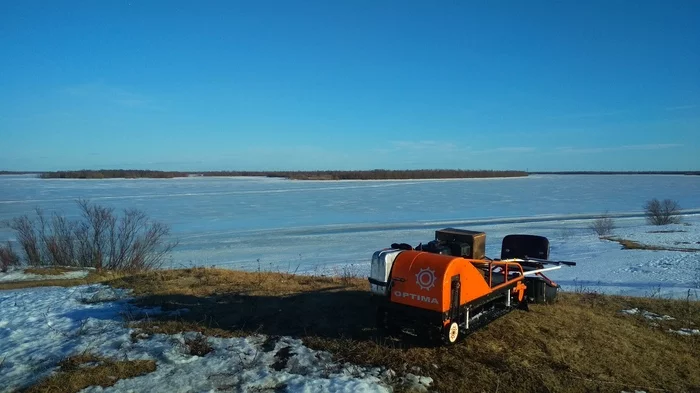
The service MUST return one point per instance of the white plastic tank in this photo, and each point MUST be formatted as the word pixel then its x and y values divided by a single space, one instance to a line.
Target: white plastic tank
pixel 382 261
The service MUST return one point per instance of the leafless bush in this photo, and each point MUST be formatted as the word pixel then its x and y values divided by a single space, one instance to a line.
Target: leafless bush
pixel 603 225
pixel 99 238
pixel 8 257
pixel 28 238
pixel 662 212
pixel 58 240
pixel 348 274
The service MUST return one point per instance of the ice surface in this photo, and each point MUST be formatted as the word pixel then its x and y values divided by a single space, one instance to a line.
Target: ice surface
pixel 41 326
pixel 327 227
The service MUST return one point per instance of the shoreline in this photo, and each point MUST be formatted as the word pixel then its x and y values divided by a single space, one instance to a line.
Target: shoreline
pixel 332 176
pixel 329 175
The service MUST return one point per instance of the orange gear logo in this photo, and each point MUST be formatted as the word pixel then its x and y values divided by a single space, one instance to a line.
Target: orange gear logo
pixel 426 279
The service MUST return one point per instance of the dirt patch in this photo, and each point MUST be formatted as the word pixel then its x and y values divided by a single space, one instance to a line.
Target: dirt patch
pixel 634 245
pixel 80 371
pixel 281 358
pixel 270 343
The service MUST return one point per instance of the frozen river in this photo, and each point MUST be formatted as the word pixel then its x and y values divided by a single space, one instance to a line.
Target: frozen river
pixel 324 226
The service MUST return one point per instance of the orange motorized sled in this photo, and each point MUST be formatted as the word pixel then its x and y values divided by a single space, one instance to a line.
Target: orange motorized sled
pixel 448 288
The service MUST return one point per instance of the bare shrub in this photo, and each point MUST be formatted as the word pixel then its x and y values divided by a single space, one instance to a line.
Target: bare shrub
pixel 28 238
pixel 58 241
pixel 100 238
pixel 96 232
pixel 603 225
pixel 348 274
pixel 8 257
pixel 662 212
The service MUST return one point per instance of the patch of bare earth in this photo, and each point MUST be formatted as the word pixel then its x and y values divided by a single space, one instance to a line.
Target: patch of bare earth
pixel 634 245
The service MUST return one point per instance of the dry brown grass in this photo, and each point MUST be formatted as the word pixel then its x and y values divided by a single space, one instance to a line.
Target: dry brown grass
pixel 49 270
pixel 202 281
pixel 633 245
pixel 80 371
pixel 233 303
pixel 581 343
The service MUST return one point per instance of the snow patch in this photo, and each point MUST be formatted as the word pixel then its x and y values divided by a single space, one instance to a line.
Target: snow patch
pixel 20 275
pixel 98 294
pixel 648 315
pixel 41 326
pixel 685 331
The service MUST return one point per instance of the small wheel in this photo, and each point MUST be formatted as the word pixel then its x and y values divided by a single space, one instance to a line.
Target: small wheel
pixel 452 333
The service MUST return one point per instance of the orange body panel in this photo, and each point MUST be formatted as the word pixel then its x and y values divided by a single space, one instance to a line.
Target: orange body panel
pixel 423 280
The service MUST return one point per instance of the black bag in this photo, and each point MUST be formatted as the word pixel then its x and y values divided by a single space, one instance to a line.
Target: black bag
pixel 401 246
pixel 523 246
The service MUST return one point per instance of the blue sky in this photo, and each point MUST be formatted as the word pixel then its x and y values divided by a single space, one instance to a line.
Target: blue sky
pixel 277 85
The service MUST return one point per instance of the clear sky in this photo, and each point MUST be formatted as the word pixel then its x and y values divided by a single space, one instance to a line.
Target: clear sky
pixel 268 85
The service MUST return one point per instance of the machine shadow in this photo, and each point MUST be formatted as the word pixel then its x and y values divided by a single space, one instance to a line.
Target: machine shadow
pixel 330 313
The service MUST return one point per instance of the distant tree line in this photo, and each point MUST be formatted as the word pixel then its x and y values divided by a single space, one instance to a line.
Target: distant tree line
pixel 377 174
pixel 382 174
pixel 111 174
pixel 18 173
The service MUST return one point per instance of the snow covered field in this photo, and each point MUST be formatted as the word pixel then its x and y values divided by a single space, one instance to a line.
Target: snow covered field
pixel 326 227
pixel 41 326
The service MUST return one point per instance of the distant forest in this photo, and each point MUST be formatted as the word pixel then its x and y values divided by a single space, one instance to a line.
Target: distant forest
pixel 19 173
pixel 378 174
pixel 112 174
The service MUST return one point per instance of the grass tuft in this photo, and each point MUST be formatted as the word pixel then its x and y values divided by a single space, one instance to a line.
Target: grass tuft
pixel 81 371
pixel 198 345
pixel 50 271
